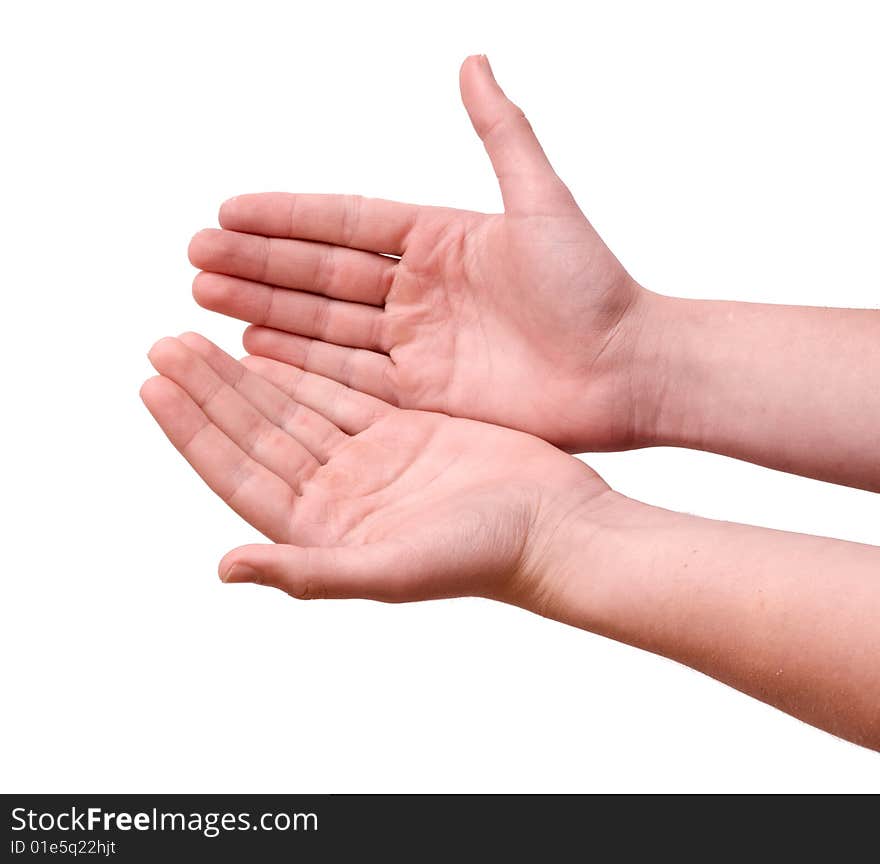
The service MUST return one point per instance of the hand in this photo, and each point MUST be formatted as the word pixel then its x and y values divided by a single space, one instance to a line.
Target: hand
pixel 367 499
pixel 523 319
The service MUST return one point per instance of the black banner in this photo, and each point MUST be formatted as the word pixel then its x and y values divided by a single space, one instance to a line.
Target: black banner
pixel 123 828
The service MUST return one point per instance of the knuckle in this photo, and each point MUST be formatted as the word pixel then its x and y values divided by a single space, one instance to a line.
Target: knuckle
pixel 351 212
pixel 325 271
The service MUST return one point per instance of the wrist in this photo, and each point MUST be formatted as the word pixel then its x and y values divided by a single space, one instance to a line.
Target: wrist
pixel 629 385
pixel 616 567
pixel 663 383
pixel 571 553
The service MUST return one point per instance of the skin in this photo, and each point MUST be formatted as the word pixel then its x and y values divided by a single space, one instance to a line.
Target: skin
pixel 418 505
pixel 475 318
pixel 526 319
pixel 364 499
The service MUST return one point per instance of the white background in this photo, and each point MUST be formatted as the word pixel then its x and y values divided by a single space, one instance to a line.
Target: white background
pixel 722 151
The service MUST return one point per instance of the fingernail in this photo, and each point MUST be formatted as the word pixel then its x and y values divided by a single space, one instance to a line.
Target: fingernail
pixel 240 573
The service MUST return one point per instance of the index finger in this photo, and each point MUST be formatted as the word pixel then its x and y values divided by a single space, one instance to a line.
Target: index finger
pixel 372 224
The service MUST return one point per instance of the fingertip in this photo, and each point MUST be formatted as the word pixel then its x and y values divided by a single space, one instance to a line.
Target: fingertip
pixel 228 209
pixel 476 61
pixel 240 573
pixel 161 397
pixel 199 291
pixel 211 290
pixel 162 347
pixel 480 92
pixel 196 246
pixel 150 388
pixel 251 337
pixel 203 247
pixel 468 67
pixel 193 339
pixel 227 562
pixel 234 212
pixel 238 564
pixel 477 67
pixel 171 356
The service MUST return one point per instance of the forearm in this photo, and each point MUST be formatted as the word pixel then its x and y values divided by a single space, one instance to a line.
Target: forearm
pixel 790 387
pixel 791 619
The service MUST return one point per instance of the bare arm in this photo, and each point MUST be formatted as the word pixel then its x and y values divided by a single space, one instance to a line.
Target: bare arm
pixel 790 619
pixel 526 319
pixel 791 387
pixel 364 499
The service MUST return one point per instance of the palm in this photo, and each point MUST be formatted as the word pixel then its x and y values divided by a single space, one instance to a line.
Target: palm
pixel 495 317
pixel 420 502
pixel 482 308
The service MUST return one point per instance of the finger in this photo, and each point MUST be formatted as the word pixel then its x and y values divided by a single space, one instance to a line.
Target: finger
pixel 345 274
pixel 315 432
pixel 372 224
pixel 353 324
pixel 528 181
pixel 350 410
pixel 373 572
pixel 255 493
pixel 362 370
pixel 264 442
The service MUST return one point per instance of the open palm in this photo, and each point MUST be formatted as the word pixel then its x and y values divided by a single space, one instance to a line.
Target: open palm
pixel 523 318
pixel 367 500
